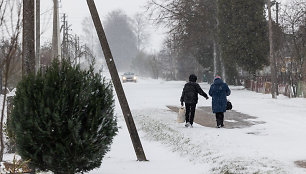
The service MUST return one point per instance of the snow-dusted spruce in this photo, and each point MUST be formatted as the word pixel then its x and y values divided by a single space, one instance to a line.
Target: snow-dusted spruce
pixel 63 119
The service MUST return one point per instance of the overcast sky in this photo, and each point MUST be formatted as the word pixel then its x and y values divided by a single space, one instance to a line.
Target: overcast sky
pixel 77 10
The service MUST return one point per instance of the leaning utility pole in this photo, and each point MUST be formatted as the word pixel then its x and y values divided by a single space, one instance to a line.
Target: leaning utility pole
pixel 56 47
pixel 37 36
pixel 272 58
pixel 117 83
pixel 64 28
pixel 28 40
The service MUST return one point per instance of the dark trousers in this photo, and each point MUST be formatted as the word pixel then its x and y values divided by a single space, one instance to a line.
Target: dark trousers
pixel 220 118
pixel 190 110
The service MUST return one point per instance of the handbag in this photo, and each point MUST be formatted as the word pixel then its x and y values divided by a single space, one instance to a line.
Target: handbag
pixel 181 115
pixel 229 105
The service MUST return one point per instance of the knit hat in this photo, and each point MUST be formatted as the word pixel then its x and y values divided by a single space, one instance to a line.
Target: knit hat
pixel 193 78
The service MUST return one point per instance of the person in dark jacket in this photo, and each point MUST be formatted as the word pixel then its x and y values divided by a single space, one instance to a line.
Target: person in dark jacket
pixel 190 97
pixel 218 91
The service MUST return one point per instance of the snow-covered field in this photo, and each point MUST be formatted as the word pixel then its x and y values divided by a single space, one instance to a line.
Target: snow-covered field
pixel 173 149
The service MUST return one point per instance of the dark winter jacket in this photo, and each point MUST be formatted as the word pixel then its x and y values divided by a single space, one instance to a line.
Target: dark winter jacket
pixel 218 91
pixel 190 93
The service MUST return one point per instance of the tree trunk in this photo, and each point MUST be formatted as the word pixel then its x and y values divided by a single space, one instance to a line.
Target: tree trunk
pixel 272 58
pixel 0 80
pixel 28 37
pixel 56 53
pixel 215 59
pixel 37 35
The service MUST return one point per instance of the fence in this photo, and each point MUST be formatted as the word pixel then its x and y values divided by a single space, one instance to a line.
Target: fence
pixel 263 85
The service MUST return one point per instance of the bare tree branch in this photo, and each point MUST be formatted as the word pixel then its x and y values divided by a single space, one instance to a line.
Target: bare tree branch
pixel 10 54
pixel 3 8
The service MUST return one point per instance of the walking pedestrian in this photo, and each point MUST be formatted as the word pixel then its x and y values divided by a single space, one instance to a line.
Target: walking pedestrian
pixel 218 91
pixel 190 97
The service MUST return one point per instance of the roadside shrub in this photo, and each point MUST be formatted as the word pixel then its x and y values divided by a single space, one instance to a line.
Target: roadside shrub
pixel 63 119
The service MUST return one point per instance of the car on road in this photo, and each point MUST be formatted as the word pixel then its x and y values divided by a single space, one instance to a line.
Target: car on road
pixel 129 77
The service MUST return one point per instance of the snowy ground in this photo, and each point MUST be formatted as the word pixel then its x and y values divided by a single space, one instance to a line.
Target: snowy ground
pixel 171 148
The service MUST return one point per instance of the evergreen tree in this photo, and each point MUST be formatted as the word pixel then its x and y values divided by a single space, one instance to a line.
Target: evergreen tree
pixel 63 119
pixel 243 34
pixel 226 38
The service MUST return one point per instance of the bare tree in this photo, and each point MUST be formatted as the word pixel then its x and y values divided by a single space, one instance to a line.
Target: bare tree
pixel 89 36
pixel 3 5
pixel 155 67
pixel 140 31
pixel 293 17
pixel 9 53
pixel 192 28
pixel 168 57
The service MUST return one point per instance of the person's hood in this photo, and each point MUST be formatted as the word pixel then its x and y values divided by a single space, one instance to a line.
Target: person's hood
pixel 218 81
pixel 192 78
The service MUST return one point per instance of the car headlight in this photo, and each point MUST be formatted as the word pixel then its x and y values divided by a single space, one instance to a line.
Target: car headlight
pixel 123 78
pixel 135 78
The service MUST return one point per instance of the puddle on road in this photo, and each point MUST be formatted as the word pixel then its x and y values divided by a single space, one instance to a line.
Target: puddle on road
pixel 301 164
pixel 232 118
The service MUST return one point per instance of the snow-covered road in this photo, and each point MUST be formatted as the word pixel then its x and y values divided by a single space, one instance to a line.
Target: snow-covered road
pixel 171 148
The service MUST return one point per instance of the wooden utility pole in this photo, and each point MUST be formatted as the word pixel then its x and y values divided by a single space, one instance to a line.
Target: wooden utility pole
pixel 304 64
pixel 117 83
pixel 65 28
pixel 28 40
pixel 56 47
pixel 65 37
pixel 0 79
pixel 77 49
pixel 37 35
pixel 272 58
pixel 277 9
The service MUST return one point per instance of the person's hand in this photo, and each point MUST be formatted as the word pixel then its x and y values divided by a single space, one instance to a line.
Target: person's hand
pixel 207 97
pixel 182 104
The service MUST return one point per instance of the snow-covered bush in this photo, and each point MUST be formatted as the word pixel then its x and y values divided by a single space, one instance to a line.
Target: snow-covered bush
pixel 63 119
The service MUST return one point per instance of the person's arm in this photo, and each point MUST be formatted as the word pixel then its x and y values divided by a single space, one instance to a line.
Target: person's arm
pixel 211 90
pixel 182 97
pixel 228 91
pixel 201 92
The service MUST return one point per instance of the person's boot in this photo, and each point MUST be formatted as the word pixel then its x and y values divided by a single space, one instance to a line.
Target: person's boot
pixel 187 124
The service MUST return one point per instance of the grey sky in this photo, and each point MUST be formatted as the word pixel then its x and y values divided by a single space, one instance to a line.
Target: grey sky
pixel 77 10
